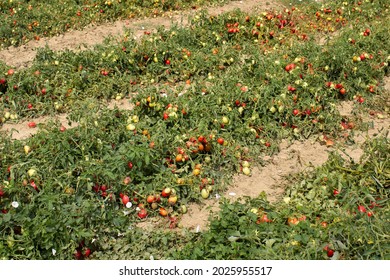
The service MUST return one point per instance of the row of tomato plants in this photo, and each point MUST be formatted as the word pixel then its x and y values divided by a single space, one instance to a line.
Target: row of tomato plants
pixel 275 44
pixel 23 21
pixel 176 146
pixel 339 211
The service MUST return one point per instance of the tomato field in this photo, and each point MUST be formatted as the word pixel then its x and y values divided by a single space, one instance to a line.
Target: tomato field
pixel 209 100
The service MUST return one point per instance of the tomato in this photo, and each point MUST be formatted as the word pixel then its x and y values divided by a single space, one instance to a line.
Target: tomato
pixel 330 253
pixel 292 221
pixel 32 124
pixel 166 192
pixel 295 112
pixel 263 219
pixel 220 141
pixel 336 192
pixel 179 158
pixel 172 199
pixel 127 180
pixel 143 213
pixel 183 209
pixel 289 67
pixel 205 193
pixel 343 91
pixel 163 212
pixel 196 171
pixel 150 199
pixel 246 171
pixel 125 199
pixel 87 252
pixel 362 209
pixel 202 139
pixel 130 165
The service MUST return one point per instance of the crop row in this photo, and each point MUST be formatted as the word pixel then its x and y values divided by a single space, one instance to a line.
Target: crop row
pixel 23 21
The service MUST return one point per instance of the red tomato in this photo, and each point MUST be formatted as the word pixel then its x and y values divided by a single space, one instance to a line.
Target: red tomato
pixel 32 124
pixel 125 199
pixel 143 213
pixel 87 252
pixel 220 141
pixel 362 209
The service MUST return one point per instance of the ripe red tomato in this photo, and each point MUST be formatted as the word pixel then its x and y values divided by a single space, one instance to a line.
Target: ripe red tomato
pixel 290 67
pixel 87 252
pixel 143 213
pixel 130 165
pixel 362 209
pixel 263 219
pixel 336 192
pixel 125 199
pixel 32 124
pixel 343 91
pixel 295 112
pixel 202 139
pixel 330 253
pixel 220 141
pixel 78 255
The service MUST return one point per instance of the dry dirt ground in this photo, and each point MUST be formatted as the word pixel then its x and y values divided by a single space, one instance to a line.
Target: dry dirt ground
pixel 270 178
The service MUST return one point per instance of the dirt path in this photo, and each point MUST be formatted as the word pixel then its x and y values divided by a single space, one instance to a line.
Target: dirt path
pixel 21 57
